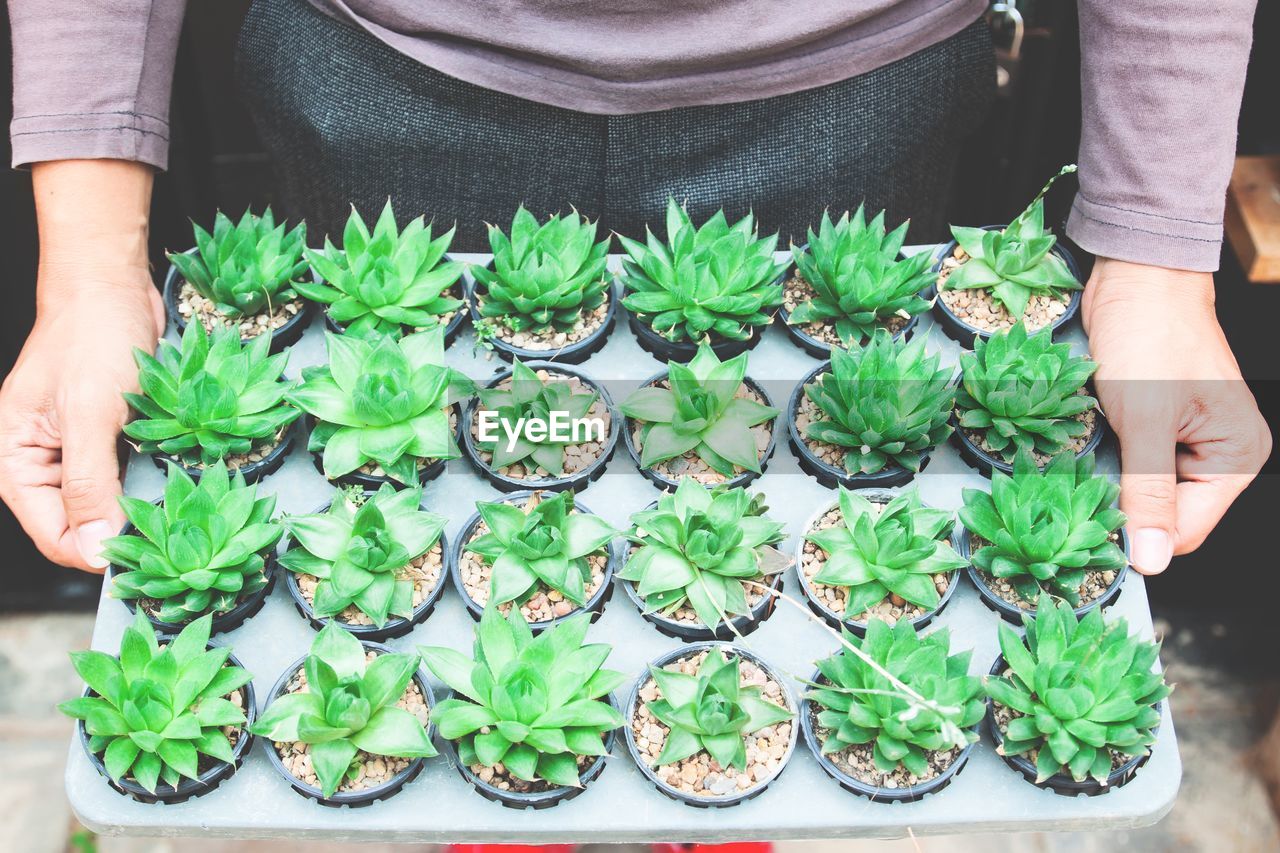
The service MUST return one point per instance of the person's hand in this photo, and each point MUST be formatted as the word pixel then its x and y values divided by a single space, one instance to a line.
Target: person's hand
pixel 1191 436
pixel 61 407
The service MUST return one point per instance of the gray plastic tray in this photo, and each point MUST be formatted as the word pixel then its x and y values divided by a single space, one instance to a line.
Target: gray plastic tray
pixel 621 806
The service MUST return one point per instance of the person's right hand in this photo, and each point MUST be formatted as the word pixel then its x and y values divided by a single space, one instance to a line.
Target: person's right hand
pixel 61 407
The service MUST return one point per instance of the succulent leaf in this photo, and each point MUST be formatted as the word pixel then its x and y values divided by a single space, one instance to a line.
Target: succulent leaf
pixel 887 404
pixel 531 703
pixel 530 398
pixel 698 545
pixel 157 708
pixel 385 280
pixel 858 282
pixel 246 267
pixel 714 282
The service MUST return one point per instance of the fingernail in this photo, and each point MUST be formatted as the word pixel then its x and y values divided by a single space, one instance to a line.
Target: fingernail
pixel 89 538
pixel 1152 550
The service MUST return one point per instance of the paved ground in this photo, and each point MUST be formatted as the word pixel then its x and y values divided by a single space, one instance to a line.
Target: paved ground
pixel 1221 713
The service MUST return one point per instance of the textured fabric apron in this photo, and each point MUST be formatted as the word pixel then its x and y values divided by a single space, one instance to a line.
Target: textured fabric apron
pixel 348 120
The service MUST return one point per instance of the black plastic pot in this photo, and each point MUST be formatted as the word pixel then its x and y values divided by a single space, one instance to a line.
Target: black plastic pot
pixel 676 794
pixel 963 333
pixel 396 626
pixel 450 331
pixel 577 481
pixel 574 353
pixel 222 622
pixel 253 472
pixel 369 482
pixel 1013 614
pixel 808 710
pixel 984 462
pixel 824 472
pixel 743 624
pixel 187 788
pixel 821 349
pixel 669 485
pixel 536 799
pixel 287 335
pixel 684 351
pixel 595 604
pixel 353 799
pixel 860 628
pixel 1059 783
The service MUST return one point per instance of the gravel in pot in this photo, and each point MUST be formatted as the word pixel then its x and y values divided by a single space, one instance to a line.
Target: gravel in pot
pixel 540 603
pixel 830 601
pixel 583 462
pixel 697 778
pixel 974 450
pixel 574 346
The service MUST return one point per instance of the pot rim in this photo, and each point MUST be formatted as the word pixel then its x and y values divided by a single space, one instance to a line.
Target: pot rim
pixel 583 348
pixel 986 462
pixel 370 481
pixel 253 472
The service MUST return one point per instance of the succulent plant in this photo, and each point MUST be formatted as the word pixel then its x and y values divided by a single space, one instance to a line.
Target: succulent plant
pixel 358 548
pixel 700 412
pixel 545 542
pixel 209 399
pixel 715 281
pixel 1079 691
pixel 859 705
pixel 1024 392
pixel 887 404
pixel 529 399
pixel 384 280
pixel 857 280
pixel 711 711
pixel 381 400
pixel 895 548
pixel 1015 263
pixel 544 277
pixel 156 708
pixel 532 703
pixel 348 707
pixel 246 267
pixel 1045 530
pixel 200 551
pixel 698 545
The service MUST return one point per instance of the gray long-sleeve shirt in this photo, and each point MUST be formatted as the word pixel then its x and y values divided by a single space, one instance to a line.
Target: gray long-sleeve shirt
pixel 1162 80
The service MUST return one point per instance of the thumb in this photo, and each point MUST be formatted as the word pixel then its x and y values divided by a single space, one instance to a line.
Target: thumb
pixel 91 473
pixel 1148 489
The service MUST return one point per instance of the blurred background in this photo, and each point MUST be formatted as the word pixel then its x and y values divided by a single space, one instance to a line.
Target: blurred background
pixel 1216 608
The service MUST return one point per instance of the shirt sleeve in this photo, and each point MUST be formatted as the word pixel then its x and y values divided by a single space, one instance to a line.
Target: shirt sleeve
pixel 1161 85
pixel 92 78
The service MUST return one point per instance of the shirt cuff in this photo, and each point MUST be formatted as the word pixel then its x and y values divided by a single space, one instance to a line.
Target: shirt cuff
pixel 90 136
pixel 1145 238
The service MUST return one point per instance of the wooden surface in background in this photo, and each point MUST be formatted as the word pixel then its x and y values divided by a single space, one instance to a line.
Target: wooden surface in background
pixel 1253 216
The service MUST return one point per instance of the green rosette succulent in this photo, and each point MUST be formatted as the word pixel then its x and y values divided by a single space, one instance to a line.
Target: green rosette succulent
pixel 348 707
pixel 382 400
pixel 700 412
pixel 859 705
pixel 895 548
pixel 1015 263
pixel 385 280
pixel 358 548
pixel 245 268
pixel 717 281
pixel 156 709
pixel 711 711
pixel 698 546
pixel 857 280
pixel 1045 530
pixel 886 404
pixel 530 399
pixel 1024 392
pixel 533 704
pixel 200 551
pixel 1079 692
pixel 545 277
pixel 544 542
pixel 209 399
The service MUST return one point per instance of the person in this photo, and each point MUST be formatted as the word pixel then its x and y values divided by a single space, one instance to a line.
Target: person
pixel 464 108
